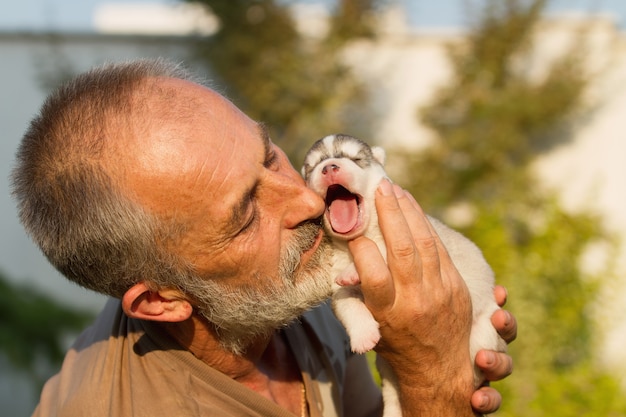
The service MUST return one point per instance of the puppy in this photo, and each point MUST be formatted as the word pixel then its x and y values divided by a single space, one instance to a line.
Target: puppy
pixel 346 171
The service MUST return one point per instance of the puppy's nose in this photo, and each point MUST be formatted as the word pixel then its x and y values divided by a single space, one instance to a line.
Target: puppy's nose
pixel 331 167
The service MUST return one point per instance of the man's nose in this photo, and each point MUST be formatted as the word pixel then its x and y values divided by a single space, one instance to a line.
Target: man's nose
pixel 301 203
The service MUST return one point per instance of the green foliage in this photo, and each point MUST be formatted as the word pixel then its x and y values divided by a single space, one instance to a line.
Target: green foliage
pixel 492 120
pixel 352 19
pixel 493 117
pixel 298 86
pixel 33 328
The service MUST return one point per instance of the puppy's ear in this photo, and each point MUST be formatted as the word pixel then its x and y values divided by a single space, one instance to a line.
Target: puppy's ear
pixel 167 305
pixel 379 154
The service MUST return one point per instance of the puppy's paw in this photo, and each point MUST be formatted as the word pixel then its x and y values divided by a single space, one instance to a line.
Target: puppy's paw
pixel 348 276
pixel 365 342
pixel 365 336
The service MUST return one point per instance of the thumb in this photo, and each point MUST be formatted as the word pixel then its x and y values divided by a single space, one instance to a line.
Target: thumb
pixel 376 282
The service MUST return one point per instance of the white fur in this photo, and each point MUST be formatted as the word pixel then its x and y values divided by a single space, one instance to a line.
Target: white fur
pixel 348 304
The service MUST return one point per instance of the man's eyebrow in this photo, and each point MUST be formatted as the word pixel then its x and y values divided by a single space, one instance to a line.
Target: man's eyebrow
pixel 270 155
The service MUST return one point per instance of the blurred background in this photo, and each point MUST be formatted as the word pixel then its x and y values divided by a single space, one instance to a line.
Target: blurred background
pixel 505 118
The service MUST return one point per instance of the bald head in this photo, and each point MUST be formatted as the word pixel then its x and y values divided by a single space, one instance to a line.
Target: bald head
pixel 68 201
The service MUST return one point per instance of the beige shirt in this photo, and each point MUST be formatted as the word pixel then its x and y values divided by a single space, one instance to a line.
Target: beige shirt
pixel 127 367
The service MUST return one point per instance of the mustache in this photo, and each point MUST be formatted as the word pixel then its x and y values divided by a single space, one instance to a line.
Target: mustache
pixel 305 237
pixel 307 232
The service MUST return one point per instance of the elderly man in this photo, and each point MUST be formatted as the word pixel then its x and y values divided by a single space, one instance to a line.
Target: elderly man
pixel 139 182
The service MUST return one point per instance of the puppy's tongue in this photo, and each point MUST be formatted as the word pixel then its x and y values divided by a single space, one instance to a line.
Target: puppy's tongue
pixel 344 213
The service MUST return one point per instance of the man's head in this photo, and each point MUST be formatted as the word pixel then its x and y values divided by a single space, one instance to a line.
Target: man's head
pixel 136 176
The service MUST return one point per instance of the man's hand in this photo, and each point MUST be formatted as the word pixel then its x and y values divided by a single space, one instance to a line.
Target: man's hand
pixel 422 305
pixel 495 365
pixel 424 310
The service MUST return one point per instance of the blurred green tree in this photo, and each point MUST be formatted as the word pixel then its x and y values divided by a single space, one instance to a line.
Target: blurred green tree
pixel 492 120
pixel 296 84
pixel 34 329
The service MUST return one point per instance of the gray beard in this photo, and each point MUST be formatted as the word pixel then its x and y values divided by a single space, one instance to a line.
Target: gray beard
pixel 242 314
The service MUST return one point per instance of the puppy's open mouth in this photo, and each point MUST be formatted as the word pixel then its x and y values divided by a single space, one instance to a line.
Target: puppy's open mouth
pixel 343 209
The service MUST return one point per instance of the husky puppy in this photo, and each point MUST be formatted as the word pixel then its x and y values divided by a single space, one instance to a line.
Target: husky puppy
pixel 346 171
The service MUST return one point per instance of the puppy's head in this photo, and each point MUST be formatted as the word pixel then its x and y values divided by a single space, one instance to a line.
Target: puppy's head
pixel 345 172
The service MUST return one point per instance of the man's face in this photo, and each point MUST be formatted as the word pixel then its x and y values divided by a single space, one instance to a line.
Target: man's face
pixel 251 225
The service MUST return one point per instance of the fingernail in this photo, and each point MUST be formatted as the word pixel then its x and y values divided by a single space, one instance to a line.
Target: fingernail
pixel 385 187
pixel 398 191
pixel 507 318
pixel 489 358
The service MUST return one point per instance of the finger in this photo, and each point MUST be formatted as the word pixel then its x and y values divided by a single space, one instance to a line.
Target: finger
pixel 494 365
pixel 399 236
pixel 417 207
pixel 486 400
pixel 425 239
pixel 416 219
pixel 506 325
pixel 376 283
pixel 442 252
pixel 501 295
pixel 429 247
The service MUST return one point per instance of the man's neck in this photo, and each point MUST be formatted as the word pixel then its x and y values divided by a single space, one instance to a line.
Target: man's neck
pixel 267 366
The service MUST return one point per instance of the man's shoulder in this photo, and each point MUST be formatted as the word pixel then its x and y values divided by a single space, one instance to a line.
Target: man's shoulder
pixel 86 371
pixel 108 369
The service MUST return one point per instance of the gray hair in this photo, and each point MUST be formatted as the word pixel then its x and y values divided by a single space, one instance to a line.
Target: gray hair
pixel 68 203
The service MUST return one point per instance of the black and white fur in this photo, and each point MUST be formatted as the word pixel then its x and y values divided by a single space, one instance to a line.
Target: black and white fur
pixel 346 171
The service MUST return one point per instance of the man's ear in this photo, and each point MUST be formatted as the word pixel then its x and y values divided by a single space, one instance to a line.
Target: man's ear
pixel 168 305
